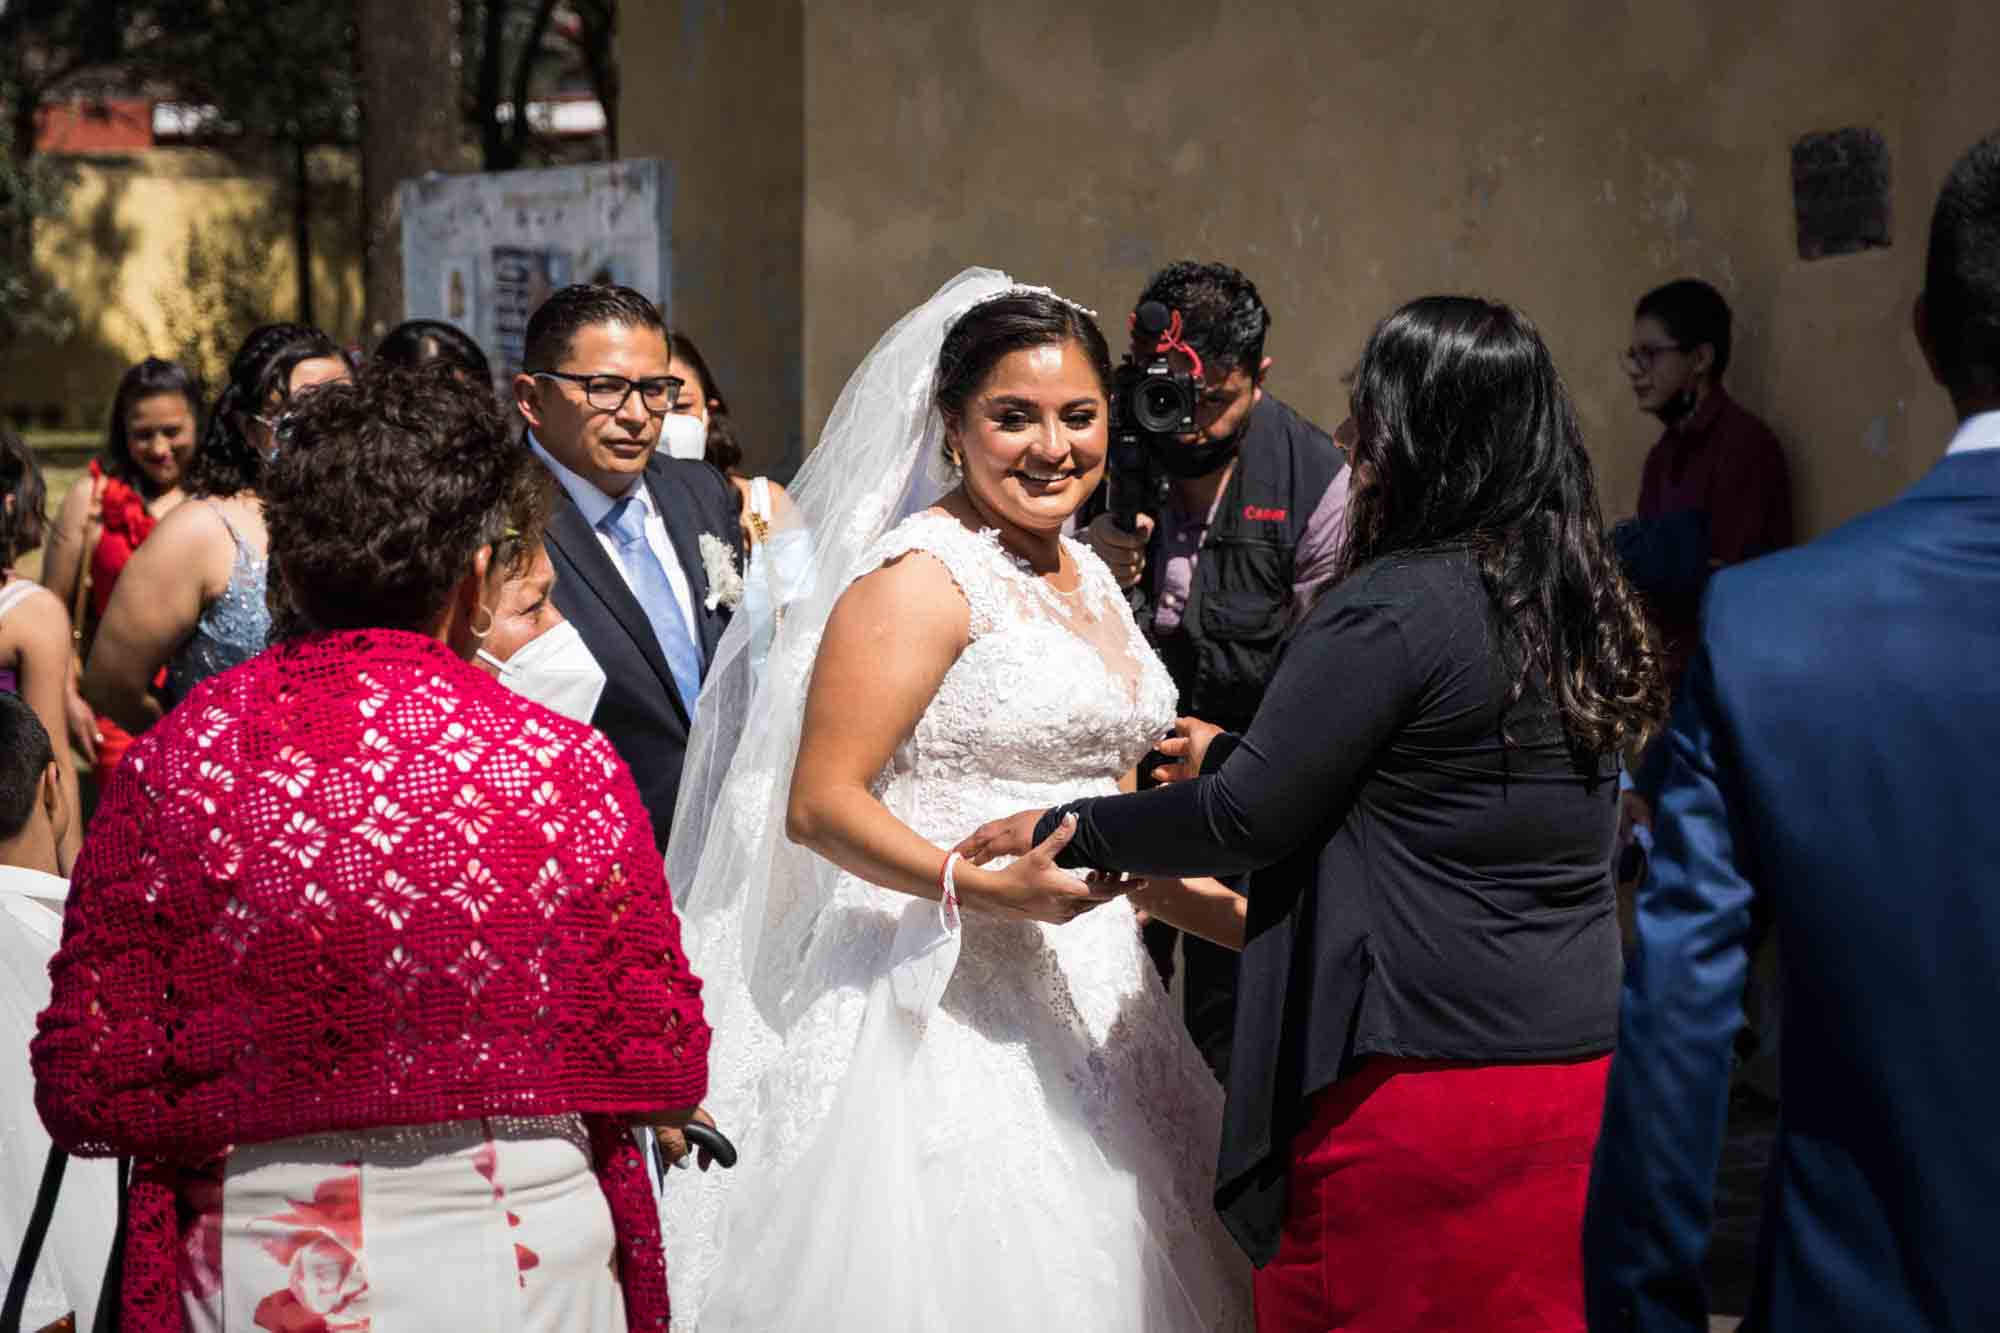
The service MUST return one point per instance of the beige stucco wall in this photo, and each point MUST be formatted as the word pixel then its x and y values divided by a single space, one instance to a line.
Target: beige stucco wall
pixel 717 90
pixel 1565 156
pixel 120 253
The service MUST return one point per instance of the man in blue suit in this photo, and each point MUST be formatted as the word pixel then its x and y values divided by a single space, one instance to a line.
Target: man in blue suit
pixel 1833 761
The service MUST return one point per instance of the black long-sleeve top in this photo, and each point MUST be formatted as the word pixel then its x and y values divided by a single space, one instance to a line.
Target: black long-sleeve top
pixel 1422 887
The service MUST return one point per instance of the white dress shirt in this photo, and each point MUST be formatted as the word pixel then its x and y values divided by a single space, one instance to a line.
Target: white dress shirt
pixel 595 505
pixel 1981 431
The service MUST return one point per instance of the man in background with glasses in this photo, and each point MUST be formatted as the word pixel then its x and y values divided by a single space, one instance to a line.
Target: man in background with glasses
pixel 626 533
pixel 1715 492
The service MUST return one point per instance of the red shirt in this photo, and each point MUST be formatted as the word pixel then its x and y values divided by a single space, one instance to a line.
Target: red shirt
pixel 1723 462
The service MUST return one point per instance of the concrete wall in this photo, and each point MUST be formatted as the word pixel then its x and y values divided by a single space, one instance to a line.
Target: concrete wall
pixel 1565 156
pixel 120 252
pixel 717 89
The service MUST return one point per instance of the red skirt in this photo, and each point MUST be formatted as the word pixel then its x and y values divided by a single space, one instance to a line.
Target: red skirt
pixel 1435 1195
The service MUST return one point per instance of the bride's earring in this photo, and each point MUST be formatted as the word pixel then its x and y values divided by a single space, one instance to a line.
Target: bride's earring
pixel 952 458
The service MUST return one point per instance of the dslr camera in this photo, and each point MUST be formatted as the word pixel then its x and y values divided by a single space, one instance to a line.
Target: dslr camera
pixel 1152 404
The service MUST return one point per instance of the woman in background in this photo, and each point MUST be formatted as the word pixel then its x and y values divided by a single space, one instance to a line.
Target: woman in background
pixel 192 598
pixel 426 342
pixel 780 548
pixel 34 627
pixel 132 485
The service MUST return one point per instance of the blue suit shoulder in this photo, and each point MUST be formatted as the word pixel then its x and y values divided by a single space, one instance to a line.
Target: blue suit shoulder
pixel 706 486
pixel 1832 569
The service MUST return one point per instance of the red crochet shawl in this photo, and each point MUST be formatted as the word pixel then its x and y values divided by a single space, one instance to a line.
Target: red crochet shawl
pixel 356 883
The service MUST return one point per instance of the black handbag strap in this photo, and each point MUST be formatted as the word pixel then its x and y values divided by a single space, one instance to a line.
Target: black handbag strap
pixel 108 1301
pixel 31 1243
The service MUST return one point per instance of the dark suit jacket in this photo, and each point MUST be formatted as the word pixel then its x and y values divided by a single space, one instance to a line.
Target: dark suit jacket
pixel 641 711
pixel 1833 763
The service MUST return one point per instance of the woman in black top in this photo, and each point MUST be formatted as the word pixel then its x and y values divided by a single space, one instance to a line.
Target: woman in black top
pixel 1427 798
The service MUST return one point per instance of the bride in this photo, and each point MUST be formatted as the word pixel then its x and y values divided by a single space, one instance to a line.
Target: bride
pixel 963 1098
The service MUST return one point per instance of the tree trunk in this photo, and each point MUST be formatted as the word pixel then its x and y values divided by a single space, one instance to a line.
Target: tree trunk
pixel 409 126
pixel 302 227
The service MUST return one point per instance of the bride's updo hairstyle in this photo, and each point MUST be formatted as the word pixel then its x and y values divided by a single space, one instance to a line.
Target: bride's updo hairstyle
pixel 1012 322
pixel 1466 437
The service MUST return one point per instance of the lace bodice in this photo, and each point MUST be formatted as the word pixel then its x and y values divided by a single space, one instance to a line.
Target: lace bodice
pixel 1052 691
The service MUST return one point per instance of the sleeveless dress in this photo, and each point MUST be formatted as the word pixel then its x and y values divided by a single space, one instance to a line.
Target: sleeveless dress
pixel 232 628
pixel 1011 1130
pixel 12 594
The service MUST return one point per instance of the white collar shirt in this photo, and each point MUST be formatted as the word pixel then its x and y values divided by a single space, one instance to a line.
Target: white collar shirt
pixel 1981 431
pixel 595 506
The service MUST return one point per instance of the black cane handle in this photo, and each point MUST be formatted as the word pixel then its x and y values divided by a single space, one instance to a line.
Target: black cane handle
pixel 711 1140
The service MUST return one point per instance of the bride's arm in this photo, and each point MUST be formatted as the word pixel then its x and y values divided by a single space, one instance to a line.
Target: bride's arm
pixel 888 644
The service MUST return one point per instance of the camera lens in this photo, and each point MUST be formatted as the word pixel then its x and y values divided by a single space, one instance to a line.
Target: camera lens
pixel 1162 407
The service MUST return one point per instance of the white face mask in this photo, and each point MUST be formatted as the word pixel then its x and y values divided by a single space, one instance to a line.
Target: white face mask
pixel 684 435
pixel 556 670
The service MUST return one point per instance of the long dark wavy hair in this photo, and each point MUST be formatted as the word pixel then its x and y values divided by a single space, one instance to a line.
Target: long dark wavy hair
pixel 1466 439
pixel 23 499
pixel 151 378
pixel 225 461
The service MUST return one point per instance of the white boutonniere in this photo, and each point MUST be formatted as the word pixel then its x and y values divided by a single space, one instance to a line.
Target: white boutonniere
pixel 725 581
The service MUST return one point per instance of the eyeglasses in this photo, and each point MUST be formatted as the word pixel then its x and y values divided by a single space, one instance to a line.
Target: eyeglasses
pixel 1641 356
pixel 608 393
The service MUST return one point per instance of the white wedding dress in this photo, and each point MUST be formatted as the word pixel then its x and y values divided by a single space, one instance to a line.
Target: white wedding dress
pixel 948 1124
pixel 1033 1148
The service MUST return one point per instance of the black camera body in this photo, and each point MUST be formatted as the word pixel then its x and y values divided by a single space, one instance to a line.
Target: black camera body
pixel 1151 401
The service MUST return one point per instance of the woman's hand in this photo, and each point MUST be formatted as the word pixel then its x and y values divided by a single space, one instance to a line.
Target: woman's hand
pixel 1012 836
pixel 83 732
pixel 1187 747
pixel 1033 886
pixel 674 1144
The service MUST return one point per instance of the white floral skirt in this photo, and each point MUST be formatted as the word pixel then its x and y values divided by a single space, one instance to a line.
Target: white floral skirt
pixel 490 1224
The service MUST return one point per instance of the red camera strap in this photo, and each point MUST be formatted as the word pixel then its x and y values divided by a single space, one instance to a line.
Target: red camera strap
pixel 1171 341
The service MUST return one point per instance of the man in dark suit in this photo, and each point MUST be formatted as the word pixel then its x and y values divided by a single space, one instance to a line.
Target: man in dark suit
pixel 627 533
pixel 1830 771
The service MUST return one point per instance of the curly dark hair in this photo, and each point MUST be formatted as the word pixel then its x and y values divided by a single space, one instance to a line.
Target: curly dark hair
pixel 1011 323
pixel 1224 318
pixel 558 320
pixel 383 492
pixel 260 378
pixel 1466 438
pixel 1692 313
pixel 723 450
pixel 151 378
pixel 1962 274
pixel 25 521
pixel 427 342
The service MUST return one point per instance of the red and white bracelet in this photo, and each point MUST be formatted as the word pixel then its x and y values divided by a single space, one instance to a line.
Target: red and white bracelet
pixel 948 891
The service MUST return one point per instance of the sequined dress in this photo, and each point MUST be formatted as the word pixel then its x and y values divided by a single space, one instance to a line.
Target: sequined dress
pixel 232 628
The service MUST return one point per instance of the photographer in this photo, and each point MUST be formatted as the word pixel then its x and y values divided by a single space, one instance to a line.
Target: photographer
pixel 1241 519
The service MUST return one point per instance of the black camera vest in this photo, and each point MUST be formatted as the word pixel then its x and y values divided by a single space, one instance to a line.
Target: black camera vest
pixel 1239 604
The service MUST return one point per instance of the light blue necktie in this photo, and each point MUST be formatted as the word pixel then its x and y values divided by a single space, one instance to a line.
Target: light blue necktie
pixel 627 525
